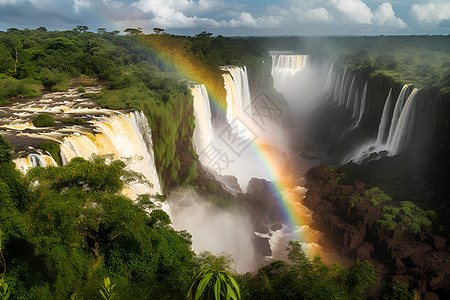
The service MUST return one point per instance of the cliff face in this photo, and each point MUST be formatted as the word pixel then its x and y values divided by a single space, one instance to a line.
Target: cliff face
pixel 426 149
pixel 356 220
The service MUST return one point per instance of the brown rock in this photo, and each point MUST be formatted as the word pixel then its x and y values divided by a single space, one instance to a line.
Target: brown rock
pixel 431 296
pixel 436 282
pixel 437 241
pixel 364 251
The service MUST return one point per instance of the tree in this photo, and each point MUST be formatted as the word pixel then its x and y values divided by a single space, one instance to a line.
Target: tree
pixel 41 29
pixel 158 30
pixel 213 281
pixel 204 34
pixel 101 31
pixel 81 28
pixel 133 31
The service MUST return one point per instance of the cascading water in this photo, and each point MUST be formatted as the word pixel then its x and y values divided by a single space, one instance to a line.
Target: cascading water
pixel 203 132
pixel 397 111
pixel 126 135
pixel 399 129
pixel 349 96
pixel 34 160
pixel 404 124
pixel 384 119
pixel 238 92
pixel 285 67
pixel 362 108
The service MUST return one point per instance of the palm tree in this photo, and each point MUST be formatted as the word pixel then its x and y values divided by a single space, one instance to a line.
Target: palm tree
pixel 213 281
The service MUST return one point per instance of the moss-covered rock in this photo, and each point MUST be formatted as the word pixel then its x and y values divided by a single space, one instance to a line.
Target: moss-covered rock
pixel 43 120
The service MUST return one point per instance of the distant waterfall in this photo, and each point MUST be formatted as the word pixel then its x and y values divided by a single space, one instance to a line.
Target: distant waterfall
pixel 355 105
pixel 285 67
pixel 342 88
pixel 400 126
pixel 404 124
pixel 238 93
pixel 362 108
pixel 384 119
pixel 397 111
pixel 349 98
pixel 203 132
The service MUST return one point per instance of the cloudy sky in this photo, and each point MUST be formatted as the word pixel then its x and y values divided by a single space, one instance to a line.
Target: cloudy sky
pixel 228 17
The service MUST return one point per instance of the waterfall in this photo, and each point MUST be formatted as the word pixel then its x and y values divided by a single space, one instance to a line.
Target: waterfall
pixel 285 67
pixel 34 160
pixel 238 92
pixel 384 119
pixel 337 88
pixel 404 124
pixel 397 110
pixel 355 105
pixel 329 82
pixel 203 132
pixel 399 130
pixel 363 105
pixel 342 88
pixel 349 99
pixel 124 135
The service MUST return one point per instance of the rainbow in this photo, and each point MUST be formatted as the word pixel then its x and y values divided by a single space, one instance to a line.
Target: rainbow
pixel 297 216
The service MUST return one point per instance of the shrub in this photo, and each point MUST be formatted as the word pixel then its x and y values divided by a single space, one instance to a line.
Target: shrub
pixel 11 87
pixel 72 121
pixel 43 120
pixel 53 149
pixel 212 187
pixel 81 89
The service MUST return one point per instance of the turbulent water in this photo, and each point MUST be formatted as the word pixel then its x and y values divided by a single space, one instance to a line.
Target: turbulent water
pixel 126 135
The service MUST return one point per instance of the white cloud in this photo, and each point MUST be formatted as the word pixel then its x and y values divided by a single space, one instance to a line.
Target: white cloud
pixel 171 13
pixel 320 15
pixel 384 15
pixel 80 4
pixel 431 13
pixel 353 11
pixel 245 19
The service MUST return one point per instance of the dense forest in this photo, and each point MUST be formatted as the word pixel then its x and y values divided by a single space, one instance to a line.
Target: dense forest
pixel 67 232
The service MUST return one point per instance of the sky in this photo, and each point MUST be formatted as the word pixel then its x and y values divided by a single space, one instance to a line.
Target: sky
pixel 234 18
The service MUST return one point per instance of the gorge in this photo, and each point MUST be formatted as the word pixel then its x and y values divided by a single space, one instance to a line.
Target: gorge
pixel 231 149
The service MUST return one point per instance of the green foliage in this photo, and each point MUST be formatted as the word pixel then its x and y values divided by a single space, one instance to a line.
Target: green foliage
pixel 213 281
pixel 212 187
pixel 11 87
pixel 106 290
pixel 81 89
pixel 408 217
pixel 73 121
pixel 5 292
pixel 67 233
pixel 397 291
pixel 43 120
pixel 5 150
pixel 309 278
pixel 191 173
pixel 53 149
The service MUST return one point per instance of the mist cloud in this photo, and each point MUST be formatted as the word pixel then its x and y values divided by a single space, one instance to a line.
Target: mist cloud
pixel 214 229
